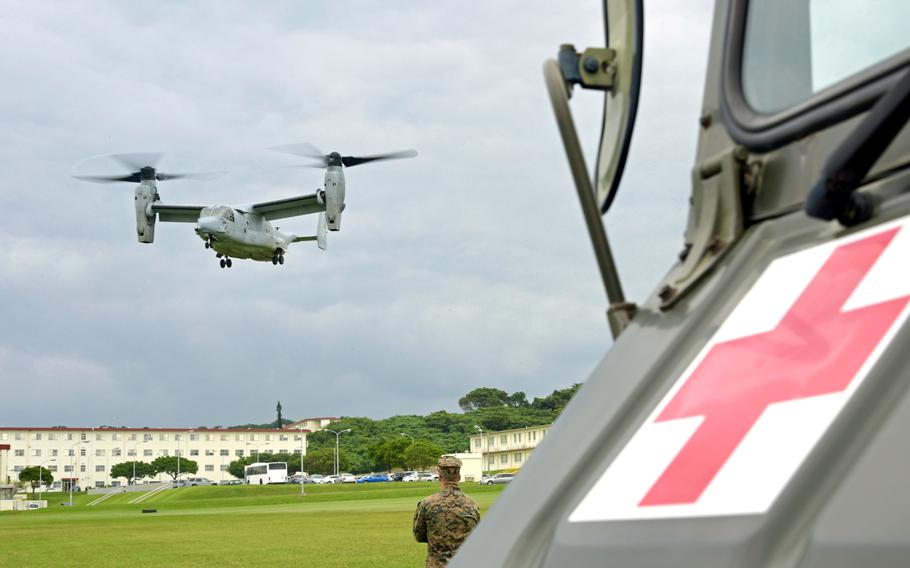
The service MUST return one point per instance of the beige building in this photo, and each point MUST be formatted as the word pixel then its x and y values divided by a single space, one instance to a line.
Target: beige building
pixel 311 424
pixel 84 456
pixel 508 449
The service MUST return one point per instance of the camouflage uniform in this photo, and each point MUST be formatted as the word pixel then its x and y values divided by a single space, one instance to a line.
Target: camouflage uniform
pixel 444 520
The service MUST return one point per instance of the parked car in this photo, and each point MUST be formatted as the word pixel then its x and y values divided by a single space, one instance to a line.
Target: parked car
pixel 373 477
pixel 231 482
pixel 498 479
pixel 400 475
pixel 329 479
pixel 315 478
pixel 347 477
pixel 421 476
pixel 191 481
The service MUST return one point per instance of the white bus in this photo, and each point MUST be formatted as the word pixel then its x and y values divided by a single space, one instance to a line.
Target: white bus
pixel 262 473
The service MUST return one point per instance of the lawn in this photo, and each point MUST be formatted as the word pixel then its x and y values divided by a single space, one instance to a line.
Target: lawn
pixel 332 526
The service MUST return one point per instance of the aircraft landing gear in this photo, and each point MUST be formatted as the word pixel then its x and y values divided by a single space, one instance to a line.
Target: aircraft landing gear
pixel 208 244
pixel 226 262
pixel 278 257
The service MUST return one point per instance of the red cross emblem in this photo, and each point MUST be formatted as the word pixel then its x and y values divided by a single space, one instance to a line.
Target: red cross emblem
pixel 713 446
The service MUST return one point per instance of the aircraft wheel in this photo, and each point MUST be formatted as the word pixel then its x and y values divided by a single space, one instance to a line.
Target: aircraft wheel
pixel 229 263
pixel 222 263
pixel 207 245
pixel 281 259
pixel 274 260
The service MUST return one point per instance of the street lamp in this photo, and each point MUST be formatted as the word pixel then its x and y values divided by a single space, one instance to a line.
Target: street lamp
pixel 72 456
pixel 337 435
pixel 302 484
pixel 135 455
pixel 479 429
pixel 40 483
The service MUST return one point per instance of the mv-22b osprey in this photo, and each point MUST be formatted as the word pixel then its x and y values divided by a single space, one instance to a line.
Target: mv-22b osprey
pixel 242 231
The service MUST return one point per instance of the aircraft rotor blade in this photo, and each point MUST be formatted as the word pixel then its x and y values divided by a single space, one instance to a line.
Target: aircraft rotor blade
pixel 351 161
pixel 111 179
pixel 137 161
pixel 302 149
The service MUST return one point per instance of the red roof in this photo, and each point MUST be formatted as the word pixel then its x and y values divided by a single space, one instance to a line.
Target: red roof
pixel 178 430
pixel 4 446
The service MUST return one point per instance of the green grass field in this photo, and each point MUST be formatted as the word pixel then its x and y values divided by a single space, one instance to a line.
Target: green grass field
pixel 332 526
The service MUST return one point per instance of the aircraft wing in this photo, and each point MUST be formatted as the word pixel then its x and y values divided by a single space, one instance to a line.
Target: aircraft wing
pixel 290 207
pixel 177 213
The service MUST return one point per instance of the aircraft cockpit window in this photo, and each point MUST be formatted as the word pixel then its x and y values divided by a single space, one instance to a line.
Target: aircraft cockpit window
pixel 793 49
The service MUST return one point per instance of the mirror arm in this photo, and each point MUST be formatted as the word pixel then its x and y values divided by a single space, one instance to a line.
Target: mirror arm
pixel 620 312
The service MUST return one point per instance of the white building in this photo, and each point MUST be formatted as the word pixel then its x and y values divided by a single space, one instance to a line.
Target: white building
pixel 84 456
pixel 508 449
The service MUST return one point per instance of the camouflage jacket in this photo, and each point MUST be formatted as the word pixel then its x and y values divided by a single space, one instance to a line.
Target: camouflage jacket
pixel 443 521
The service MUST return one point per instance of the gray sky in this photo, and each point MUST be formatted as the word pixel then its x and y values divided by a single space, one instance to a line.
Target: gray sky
pixel 467 266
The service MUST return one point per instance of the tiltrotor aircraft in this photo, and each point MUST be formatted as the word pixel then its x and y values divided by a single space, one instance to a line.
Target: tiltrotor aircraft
pixel 754 410
pixel 242 232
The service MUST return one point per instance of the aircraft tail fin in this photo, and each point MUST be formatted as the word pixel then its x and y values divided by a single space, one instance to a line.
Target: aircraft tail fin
pixel 319 237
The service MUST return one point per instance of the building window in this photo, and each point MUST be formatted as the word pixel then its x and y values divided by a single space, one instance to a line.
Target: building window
pixel 68 469
pixel 239 437
pixel 282 438
pixel 116 452
pixel 18 435
pixel 504 458
pixel 210 452
pixel 99 468
pixel 209 467
pixel 178 452
pixel 146 437
pixel 296 450
pixel 254 437
pixel 532 435
pixel 516 458
pixel 209 437
pixel 298 437
pixel 115 436
pixel 147 453
pixel 477 443
pixel 82 468
pixel 51 468
pixel 82 452
pixel 131 452
pixel 132 437
pixel 178 437
pixel 71 452
pixel 36 436
pixel 238 453
pixel 162 437
pixel 99 484
pixel 99 453
pixel 225 452
pixel 99 436
pixel 52 436
pixel 36 453
pixel 194 437
pixel 194 452
pixel 223 467
pixel 19 453
pixel 4 436
pixel 162 453
pixel 224 437
pixel 504 439
pixel 54 453
pixel 491 462
pixel 268 437
pixel 69 437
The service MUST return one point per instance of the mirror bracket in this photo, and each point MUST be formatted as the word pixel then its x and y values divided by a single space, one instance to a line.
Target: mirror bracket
pixel 594 68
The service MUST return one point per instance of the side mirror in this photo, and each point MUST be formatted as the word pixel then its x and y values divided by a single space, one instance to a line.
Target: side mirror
pixel 616 70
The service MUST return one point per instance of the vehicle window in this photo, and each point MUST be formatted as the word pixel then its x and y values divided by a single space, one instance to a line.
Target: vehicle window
pixel 795 48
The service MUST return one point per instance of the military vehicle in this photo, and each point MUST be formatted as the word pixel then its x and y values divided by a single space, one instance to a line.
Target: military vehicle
pixel 753 411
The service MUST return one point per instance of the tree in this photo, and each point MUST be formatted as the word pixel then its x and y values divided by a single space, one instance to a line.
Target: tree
pixel 36 475
pixel 168 465
pixel 483 397
pixel 389 453
pixel 322 461
pixel 557 400
pixel 422 454
pixel 125 469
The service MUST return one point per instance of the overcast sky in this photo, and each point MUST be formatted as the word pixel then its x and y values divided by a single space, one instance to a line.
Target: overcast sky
pixel 467 266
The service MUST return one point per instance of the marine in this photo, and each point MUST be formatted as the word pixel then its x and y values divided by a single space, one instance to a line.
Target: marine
pixel 446 518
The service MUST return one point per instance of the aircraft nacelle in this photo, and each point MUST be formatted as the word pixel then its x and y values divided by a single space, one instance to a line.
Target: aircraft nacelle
pixel 146 195
pixel 333 197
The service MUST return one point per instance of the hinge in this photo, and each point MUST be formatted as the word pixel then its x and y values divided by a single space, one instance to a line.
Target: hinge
pixel 715 222
pixel 595 68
